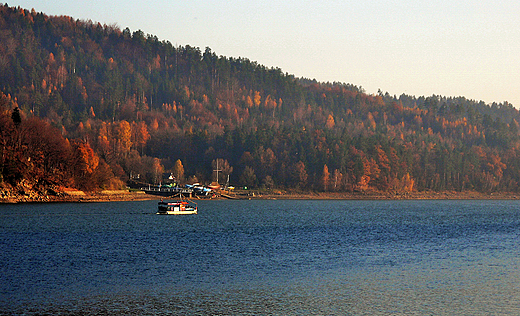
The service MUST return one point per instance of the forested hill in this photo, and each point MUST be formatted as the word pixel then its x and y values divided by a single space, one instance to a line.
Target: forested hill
pixel 99 105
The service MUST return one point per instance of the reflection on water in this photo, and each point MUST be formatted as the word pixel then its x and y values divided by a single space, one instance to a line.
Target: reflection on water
pixel 473 292
pixel 262 257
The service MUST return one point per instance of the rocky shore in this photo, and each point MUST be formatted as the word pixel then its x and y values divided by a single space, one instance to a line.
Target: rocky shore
pixel 71 195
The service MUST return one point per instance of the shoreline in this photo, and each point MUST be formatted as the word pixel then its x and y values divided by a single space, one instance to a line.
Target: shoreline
pixel 447 195
pixel 75 196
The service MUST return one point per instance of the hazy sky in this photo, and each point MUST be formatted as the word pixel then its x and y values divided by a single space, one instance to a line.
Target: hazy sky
pixel 418 47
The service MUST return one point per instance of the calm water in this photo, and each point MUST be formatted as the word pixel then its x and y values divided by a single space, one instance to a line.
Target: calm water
pixel 262 257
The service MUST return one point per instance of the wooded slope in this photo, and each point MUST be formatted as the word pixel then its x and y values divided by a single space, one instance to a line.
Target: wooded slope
pixel 124 105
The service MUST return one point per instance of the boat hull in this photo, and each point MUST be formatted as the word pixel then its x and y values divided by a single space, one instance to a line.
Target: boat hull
pixel 177 212
pixel 177 208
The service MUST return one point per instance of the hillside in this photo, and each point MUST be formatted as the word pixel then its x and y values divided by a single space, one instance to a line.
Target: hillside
pixel 99 106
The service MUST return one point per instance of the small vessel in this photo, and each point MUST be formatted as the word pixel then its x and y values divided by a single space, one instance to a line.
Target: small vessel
pixel 166 190
pixel 177 208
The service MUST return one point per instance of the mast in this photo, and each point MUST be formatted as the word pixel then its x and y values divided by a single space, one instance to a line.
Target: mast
pixel 217 170
pixel 227 183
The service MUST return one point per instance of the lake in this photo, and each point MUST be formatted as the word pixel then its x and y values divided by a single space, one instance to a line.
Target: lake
pixel 262 257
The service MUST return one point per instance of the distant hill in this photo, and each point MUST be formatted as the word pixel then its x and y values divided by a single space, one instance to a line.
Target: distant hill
pixel 136 107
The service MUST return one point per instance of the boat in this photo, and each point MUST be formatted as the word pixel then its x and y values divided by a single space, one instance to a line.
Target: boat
pixel 199 189
pixel 183 207
pixel 166 190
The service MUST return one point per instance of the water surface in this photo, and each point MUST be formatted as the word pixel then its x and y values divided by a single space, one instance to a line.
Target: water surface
pixel 262 257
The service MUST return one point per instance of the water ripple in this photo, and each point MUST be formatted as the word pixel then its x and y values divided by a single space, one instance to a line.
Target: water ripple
pixel 262 257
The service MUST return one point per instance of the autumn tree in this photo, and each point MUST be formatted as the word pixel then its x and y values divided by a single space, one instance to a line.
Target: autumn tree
pixel 141 135
pixel 268 183
pixel 103 143
pixel 248 177
pixel 407 183
pixel 267 161
pixel 299 174
pixel 84 163
pixel 178 171
pixel 330 122
pixel 257 98
pixel 124 137
pixel 325 178
pixel 337 179
pixel 48 153
pixel 157 170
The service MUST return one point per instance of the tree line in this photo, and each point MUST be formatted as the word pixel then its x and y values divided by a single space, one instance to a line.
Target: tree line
pixel 131 106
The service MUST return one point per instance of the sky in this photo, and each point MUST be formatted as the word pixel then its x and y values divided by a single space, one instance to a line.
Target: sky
pixel 418 47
